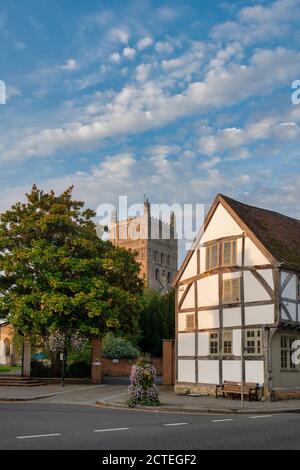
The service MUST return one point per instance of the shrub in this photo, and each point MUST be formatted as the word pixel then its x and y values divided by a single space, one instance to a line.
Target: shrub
pixel 79 370
pixel 142 389
pixel 116 347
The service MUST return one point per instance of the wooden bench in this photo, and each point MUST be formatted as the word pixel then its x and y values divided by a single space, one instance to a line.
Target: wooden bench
pixel 234 389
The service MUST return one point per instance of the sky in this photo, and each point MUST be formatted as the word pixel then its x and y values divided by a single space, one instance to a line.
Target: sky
pixel 177 100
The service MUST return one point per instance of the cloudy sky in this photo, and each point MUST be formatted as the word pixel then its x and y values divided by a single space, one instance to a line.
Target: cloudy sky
pixel 178 100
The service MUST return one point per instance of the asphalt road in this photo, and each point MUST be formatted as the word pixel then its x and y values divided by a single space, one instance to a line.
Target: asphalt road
pixel 60 426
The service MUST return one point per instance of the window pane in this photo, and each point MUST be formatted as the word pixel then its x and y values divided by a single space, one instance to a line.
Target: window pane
pixel 226 253
pixel 214 256
pixel 207 260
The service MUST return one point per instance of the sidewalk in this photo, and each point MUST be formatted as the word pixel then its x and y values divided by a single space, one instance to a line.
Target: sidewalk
pixel 43 392
pixel 172 402
pixel 115 396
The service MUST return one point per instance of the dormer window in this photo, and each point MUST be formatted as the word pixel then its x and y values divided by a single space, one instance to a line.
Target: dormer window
pixel 212 257
pixel 229 253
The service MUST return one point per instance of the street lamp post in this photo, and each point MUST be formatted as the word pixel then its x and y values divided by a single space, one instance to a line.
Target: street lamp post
pixel 63 358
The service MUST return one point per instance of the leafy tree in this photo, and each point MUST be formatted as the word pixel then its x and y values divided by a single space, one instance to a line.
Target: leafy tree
pixel 157 321
pixel 57 274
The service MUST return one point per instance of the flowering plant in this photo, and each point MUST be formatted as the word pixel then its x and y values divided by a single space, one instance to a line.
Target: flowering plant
pixel 142 389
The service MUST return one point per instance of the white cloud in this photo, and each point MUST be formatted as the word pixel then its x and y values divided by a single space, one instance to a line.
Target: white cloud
pixel 262 130
pixel 146 105
pixel 164 47
pixel 144 43
pixel 129 52
pixel 70 65
pixel 142 71
pixel 120 35
pixel 115 57
pixel 208 164
pixel 260 23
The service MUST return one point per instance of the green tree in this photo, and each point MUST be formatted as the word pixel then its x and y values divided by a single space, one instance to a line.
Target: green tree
pixel 157 321
pixel 57 274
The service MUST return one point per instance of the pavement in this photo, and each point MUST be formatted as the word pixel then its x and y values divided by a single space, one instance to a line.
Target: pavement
pixel 40 425
pixel 115 395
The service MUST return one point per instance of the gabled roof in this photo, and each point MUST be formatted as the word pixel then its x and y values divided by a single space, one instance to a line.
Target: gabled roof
pixel 277 235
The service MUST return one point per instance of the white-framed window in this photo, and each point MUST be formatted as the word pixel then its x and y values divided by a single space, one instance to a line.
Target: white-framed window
pixel 190 321
pixel 286 352
pixel 229 253
pixel 214 343
pixel 227 342
pixel 212 257
pixel 231 290
pixel 298 288
pixel 253 342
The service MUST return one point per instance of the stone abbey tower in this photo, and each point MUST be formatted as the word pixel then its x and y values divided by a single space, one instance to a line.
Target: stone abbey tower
pixel 155 244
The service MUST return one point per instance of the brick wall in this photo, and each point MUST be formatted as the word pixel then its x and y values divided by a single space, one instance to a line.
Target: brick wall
pixel 123 367
pixel 168 362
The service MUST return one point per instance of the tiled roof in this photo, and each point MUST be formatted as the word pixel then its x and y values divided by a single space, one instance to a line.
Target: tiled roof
pixel 278 233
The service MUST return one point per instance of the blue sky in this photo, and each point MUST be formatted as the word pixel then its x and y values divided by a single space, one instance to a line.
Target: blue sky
pixel 178 100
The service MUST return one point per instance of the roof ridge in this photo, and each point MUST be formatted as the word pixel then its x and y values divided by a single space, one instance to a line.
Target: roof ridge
pixel 229 199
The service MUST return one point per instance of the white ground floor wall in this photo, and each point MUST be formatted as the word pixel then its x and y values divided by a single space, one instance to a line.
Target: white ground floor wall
pixel 208 371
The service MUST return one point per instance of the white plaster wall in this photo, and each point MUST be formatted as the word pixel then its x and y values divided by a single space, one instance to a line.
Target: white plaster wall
pixel 221 225
pixel 203 344
pixel 232 370
pixel 262 314
pixel 182 321
pixel 253 255
pixel 208 372
pixel 186 344
pixel 236 342
pixel 202 259
pixel 181 290
pixel 189 301
pixel 291 309
pixel 232 317
pixel 290 290
pixel 283 315
pixel 208 291
pixel 208 319
pixel 267 274
pixel 254 371
pixel 253 290
pixel 186 371
pixel 191 268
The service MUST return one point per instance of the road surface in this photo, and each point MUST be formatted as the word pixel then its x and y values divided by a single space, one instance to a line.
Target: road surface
pixel 60 426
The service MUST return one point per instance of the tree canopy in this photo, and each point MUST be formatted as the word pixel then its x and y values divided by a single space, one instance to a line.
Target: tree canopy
pixel 58 275
pixel 157 321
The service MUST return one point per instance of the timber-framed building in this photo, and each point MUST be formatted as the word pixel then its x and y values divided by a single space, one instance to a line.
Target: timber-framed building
pixel 238 302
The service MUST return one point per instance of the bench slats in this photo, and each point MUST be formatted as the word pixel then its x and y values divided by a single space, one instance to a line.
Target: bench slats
pixel 234 388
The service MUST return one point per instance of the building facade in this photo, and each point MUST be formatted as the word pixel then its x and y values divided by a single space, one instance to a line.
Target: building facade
pixel 154 243
pixel 238 302
pixel 6 344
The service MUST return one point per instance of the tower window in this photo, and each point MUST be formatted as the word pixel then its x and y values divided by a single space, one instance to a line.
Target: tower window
pixel 156 274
